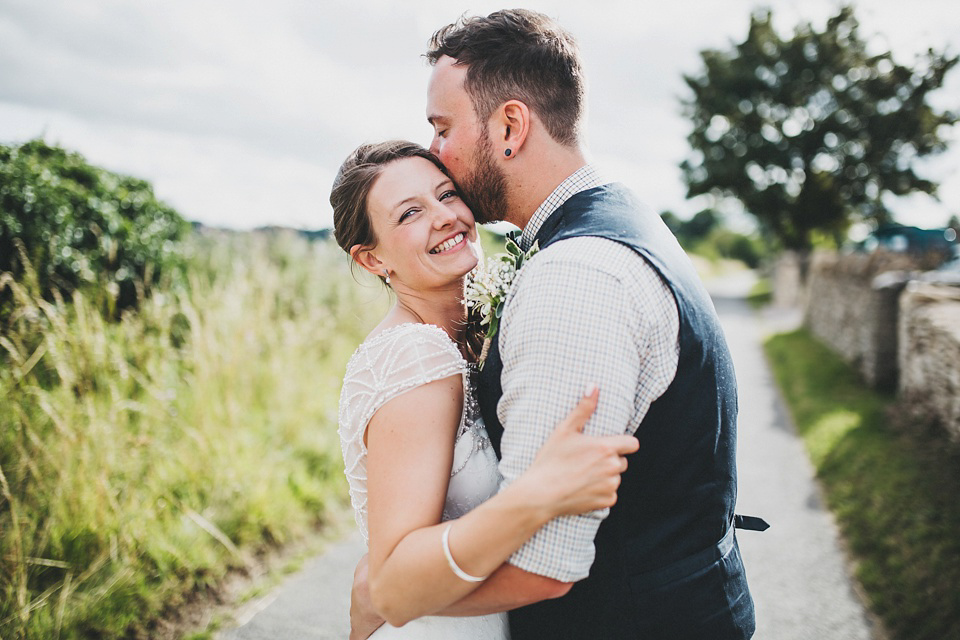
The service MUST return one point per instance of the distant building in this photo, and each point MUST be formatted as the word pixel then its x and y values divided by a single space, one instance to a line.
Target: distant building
pixel 905 239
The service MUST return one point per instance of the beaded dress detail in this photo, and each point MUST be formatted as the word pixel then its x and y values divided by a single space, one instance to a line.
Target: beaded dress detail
pixel 391 363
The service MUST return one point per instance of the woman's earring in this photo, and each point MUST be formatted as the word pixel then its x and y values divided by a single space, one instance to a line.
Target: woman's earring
pixel 386 274
pixel 508 152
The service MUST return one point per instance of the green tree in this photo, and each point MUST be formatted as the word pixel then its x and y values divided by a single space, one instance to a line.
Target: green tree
pixel 706 234
pixel 673 221
pixel 701 225
pixel 78 225
pixel 691 231
pixel 810 132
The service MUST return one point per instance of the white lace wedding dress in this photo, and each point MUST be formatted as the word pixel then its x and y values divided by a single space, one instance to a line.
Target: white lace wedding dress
pixel 385 366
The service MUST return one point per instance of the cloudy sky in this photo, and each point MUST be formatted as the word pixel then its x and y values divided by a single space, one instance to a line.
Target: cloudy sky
pixel 240 112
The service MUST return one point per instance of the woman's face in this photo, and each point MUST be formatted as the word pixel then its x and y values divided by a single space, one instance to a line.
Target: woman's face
pixel 426 235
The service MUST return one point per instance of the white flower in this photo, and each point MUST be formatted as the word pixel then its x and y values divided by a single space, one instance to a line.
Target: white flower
pixel 488 286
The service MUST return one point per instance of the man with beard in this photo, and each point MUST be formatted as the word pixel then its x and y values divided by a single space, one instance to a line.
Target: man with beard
pixel 610 300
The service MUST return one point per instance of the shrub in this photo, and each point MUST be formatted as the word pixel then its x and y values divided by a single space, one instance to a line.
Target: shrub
pixel 736 246
pixel 78 224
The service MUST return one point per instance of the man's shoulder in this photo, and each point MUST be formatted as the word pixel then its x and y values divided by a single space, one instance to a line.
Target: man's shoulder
pixel 609 196
pixel 588 253
pixel 595 270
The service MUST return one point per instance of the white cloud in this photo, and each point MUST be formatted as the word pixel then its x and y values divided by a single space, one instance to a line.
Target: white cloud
pixel 240 112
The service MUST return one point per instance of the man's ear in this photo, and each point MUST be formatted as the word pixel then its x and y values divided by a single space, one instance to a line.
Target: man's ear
pixel 365 257
pixel 512 126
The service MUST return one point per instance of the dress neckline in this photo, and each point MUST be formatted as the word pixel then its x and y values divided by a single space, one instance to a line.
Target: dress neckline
pixel 369 342
pixel 405 325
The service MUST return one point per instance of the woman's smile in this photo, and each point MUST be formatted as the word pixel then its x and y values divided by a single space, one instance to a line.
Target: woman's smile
pixel 449 244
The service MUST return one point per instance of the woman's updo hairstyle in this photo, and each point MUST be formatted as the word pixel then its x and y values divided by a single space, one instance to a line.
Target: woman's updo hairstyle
pixel 351 187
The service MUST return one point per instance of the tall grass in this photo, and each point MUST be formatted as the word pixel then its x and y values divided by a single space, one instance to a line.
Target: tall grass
pixel 142 459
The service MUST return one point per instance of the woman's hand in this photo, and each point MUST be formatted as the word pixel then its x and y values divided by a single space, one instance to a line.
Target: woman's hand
pixel 577 473
pixel 364 620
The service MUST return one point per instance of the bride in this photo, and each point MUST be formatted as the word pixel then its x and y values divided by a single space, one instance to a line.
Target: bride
pixel 422 474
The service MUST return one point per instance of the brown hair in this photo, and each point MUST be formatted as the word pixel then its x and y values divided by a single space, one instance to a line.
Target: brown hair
pixel 518 54
pixel 351 188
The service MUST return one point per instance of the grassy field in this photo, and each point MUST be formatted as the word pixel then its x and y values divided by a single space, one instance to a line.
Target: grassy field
pixel 892 483
pixel 760 294
pixel 140 460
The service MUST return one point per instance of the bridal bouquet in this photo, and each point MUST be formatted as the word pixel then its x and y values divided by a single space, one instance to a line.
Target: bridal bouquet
pixel 489 284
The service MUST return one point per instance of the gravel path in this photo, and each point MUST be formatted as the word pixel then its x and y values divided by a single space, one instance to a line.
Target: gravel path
pixel 311 604
pixel 797 568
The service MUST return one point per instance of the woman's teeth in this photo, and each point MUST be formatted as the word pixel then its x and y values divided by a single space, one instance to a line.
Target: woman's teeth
pixel 448 244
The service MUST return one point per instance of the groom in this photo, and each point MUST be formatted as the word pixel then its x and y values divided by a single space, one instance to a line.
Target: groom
pixel 611 300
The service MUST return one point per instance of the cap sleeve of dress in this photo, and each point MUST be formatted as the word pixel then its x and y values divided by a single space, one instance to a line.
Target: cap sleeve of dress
pixel 389 364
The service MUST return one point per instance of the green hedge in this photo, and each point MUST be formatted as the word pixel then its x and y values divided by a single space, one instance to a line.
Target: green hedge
pixel 73 224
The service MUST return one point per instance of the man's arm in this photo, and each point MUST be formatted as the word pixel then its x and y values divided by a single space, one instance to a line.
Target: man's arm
pixel 585 310
pixel 570 324
pixel 542 368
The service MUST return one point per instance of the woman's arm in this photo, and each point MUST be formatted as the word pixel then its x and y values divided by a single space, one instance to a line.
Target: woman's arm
pixel 410 450
pixel 507 588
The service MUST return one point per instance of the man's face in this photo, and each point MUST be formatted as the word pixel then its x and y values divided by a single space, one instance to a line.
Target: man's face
pixel 463 144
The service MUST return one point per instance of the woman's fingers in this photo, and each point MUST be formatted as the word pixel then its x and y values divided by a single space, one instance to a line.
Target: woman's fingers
pixel 581 471
pixel 577 419
pixel 624 445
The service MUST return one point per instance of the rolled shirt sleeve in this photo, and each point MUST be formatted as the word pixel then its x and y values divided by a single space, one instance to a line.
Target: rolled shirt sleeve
pixel 583 311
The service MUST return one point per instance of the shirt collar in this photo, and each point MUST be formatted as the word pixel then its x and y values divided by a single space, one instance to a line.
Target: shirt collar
pixel 586 177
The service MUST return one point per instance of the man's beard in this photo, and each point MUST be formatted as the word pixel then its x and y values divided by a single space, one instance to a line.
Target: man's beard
pixel 485 189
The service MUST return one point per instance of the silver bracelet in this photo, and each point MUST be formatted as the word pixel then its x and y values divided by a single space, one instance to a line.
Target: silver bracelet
pixel 463 575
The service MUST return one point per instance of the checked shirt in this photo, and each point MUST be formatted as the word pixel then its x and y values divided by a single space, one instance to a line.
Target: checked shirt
pixel 583 311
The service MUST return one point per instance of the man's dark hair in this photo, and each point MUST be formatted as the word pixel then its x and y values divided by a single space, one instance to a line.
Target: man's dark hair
pixel 521 55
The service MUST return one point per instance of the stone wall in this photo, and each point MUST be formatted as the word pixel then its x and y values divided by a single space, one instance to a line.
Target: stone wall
pixel 891 319
pixel 896 324
pixel 787 281
pixel 929 353
pixel 852 306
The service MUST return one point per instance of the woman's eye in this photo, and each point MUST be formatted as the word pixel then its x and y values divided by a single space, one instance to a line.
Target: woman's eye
pixel 406 214
pixel 448 194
